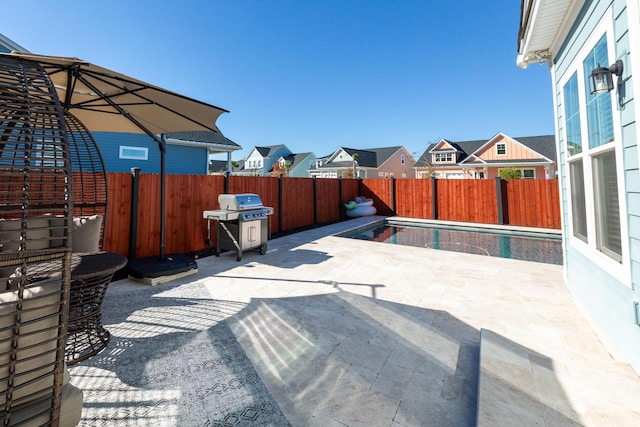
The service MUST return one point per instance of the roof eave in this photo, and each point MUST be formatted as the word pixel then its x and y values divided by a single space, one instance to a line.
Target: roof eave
pixel 543 26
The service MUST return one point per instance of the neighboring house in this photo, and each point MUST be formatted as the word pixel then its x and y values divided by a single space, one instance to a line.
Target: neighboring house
pixel 533 156
pixel 260 160
pixel 382 162
pixel 187 152
pixel 596 121
pixel 298 165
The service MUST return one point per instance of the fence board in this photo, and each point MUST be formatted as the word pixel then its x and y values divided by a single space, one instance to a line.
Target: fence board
pixel 297 196
pixel 533 203
pixel 378 189
pixel 350 190
pixel 118 221
pixel 328 203
pixel 413 198
pixel 467 200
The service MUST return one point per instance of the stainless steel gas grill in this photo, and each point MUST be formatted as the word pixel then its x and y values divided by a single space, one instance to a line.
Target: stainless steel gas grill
pixel 242 223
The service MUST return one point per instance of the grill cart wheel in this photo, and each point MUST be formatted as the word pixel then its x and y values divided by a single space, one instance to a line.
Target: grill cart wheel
pixel 263 249
pixel 238 258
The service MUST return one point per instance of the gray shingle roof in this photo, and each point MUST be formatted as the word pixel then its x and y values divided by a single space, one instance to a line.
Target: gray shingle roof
pixel 543 144
pixel 208 137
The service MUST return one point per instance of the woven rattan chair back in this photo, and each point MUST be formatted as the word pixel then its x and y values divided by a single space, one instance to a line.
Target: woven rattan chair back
pixel 35 185
pixel 89 175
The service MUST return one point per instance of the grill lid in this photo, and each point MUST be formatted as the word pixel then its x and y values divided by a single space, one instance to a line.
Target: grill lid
pixel 239 202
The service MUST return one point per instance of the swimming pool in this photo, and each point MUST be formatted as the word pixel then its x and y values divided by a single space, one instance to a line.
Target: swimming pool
pixel 520 244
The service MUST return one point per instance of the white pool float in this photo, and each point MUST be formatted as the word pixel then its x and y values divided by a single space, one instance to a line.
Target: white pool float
pixel 360 206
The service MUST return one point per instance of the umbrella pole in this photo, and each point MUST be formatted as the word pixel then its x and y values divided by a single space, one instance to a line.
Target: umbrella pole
pixel 163 150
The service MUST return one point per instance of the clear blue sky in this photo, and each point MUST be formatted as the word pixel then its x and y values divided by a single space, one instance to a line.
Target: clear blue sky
pixel 313 74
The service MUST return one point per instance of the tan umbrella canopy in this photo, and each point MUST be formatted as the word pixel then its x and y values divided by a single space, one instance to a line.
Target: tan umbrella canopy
pixel 105 100
pixel 108 101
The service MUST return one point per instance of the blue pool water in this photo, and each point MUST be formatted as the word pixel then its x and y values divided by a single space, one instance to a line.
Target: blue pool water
pixel 546 248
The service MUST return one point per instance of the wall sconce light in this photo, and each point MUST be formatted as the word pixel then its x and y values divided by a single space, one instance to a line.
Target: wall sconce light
pixel 602 77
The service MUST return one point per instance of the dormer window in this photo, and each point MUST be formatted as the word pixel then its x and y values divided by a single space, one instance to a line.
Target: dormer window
pixel 501 149
pixel 443 158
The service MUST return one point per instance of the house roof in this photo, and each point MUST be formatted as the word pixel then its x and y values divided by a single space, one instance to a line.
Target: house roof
pixel 296 159
pixel 268 151
pixel 210 139
pixel 367 158
pixel 544 145
pixel 217 165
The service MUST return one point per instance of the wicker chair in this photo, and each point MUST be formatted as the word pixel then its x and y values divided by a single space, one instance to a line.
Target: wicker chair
pixel 35 185
pixel 85 334
pixel 89 174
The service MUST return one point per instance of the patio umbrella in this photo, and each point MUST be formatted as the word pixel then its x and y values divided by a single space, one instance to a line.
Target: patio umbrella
pixel 108 101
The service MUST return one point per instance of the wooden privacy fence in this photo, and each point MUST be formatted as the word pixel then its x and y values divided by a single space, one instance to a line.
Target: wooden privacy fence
pixel 300 203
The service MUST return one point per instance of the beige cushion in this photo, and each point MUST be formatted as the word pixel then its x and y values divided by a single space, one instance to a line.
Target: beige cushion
pixel 38 234
pixel 57 231
pixel 36 343
pixel 70 409
pixel 86 234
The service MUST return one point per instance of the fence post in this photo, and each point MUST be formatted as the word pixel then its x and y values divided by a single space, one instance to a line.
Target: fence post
pixel 392 190
pixel 133 222
pixel 499 199
pixel 434 198
pixel 315 202
pixel 340 198
pixel 280 203
pixel 226 182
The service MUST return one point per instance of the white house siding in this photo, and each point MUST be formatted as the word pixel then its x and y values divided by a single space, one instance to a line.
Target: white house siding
pixel 607 298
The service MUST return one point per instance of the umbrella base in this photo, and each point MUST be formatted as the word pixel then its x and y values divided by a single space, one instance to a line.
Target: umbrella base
pixel 153 270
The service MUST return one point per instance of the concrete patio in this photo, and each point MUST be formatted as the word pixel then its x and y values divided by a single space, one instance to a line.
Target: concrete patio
pixel 345 332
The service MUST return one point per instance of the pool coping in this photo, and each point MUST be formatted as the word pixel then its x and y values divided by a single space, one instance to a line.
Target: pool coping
pixel 466 226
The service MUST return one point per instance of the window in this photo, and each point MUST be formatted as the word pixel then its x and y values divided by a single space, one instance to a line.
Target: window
pixel 524 173
pixel 134 153
pixel 593 154
pixel 605 185
pixel 501 149
pixel 443 158
pixel 572 116
pixel 528 173
pixel 402 159
pixel 578 211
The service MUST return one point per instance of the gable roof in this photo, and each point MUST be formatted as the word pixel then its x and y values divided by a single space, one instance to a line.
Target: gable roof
pixel 367 158
pixel 269 150
pixel 544 145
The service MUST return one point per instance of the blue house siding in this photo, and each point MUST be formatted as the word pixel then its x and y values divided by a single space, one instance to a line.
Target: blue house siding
pixel 179 159
pixel 606 299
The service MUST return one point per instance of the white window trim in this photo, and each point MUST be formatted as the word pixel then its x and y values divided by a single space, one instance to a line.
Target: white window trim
pixel 436 156
pixel 402 159
pixel 505 149
pixel 144 150
pixel 620 270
